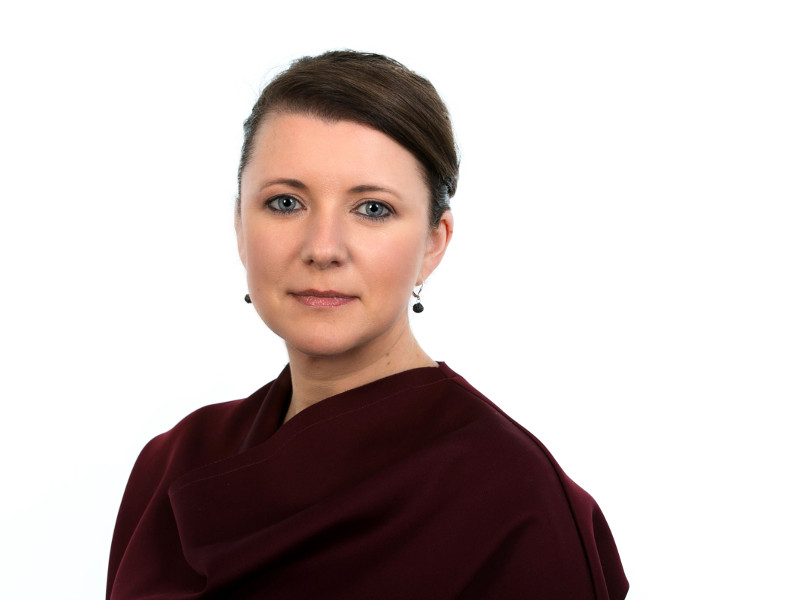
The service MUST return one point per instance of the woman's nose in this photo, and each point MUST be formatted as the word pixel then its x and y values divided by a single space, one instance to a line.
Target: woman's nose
pixel 324 244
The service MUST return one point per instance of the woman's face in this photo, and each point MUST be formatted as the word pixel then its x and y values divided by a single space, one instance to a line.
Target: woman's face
pixel 334 233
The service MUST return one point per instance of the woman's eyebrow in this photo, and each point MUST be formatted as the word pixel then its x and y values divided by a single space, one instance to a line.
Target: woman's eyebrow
pixel 299 185
pixel 294 183
pixel 360 189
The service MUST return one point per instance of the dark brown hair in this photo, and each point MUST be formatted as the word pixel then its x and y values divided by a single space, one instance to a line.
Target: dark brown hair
pixel 375 91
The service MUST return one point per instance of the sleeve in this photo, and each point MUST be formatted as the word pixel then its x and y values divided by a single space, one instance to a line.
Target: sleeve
pixel 143 484
pixel 602 555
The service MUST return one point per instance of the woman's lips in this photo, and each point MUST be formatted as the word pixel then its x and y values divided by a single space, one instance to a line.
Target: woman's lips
pixel 323 299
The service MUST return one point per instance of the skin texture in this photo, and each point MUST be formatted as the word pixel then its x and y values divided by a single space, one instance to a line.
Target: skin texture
pixel 304 227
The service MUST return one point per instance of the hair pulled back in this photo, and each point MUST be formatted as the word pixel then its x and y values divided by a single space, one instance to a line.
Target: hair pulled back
pixel 373 90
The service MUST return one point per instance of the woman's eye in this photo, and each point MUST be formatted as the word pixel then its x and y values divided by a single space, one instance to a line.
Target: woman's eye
pixel 374 209
pixel 283 204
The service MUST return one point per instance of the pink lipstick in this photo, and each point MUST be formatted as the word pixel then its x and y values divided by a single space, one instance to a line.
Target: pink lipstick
pixel 322 299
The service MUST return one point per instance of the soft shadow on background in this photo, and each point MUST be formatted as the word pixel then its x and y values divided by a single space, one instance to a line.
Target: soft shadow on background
pixel 623 278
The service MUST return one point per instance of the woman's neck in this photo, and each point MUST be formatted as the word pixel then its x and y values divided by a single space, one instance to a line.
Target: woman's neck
pixel 315 378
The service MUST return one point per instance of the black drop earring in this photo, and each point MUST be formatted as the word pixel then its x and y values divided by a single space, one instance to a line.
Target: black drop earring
pixel 247 299
pixel 417 308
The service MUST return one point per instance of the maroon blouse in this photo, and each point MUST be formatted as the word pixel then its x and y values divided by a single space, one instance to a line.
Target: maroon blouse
pixel 413 486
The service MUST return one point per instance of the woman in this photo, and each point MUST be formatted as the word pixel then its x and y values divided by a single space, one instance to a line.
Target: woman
pixel 366 469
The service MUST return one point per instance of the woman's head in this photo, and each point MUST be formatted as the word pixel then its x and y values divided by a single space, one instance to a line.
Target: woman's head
pixel 372 90
pixel 347 168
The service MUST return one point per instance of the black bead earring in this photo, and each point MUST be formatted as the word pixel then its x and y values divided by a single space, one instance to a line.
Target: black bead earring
pixel 417 308
pixel 247 299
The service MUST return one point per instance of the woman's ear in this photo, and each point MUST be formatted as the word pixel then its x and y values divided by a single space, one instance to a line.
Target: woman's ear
pixel 437 245
pixel 237 225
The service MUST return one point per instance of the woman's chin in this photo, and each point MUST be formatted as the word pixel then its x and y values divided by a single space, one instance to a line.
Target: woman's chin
pixel 341 340
pixel 322 347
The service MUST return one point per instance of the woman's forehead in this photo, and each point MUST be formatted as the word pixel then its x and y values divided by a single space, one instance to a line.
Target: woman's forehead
pixel 303 147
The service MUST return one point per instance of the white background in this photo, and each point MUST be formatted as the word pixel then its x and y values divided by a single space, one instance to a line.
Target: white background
pixel 624 277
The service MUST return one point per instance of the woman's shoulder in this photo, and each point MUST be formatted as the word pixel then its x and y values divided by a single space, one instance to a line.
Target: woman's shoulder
pixel 521 477
pixel 507 457
pixel 494 431
pixel 221 419
pixel 205 435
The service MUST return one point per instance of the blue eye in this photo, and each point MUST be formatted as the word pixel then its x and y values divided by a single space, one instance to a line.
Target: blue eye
pixel 374 209
pixel 283 203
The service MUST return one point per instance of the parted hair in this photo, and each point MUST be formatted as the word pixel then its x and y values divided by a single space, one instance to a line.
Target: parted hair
pixel 373 90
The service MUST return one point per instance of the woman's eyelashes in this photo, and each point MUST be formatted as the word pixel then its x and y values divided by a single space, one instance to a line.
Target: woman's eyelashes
pixel 372 209
pixel 283 204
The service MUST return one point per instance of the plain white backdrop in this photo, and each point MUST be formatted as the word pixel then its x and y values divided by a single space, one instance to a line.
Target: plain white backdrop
pixel 624 279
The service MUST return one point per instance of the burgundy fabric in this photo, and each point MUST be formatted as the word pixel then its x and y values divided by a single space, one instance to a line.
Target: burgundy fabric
pixel 413 486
